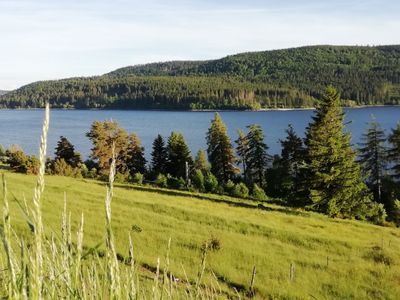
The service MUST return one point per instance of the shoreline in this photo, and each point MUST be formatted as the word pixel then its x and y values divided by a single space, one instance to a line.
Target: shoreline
pixel 196 110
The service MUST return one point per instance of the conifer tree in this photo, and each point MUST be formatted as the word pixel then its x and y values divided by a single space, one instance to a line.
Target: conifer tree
pixel 242 152
pixel 394 151
pixel 291 163
pixel 103 136
pixel 201 163
pixel 135 160
pixel 159 156
pixel 256 155
pixel 373 157
pixel 65 150
pixel 334 179
pixel 220 151
pixel 179 156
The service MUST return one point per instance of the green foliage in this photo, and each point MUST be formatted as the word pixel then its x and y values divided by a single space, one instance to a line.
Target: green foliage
pixel 66 151
pixel 161 181
pixel 138 178
pixel 333 177
pixel 179 156
pixel 200 162
pixel 220 151
pixel 210 183
pixel 175 183
pixel 281 78
pixel 62 168
pixel 258 193
pixel 135 160
pixel 198 180
pixel 257 158
pixel 241 190
pixel 373 157
pixel 159 156
pixel 394 151
pixel 104 136
pixel 229 187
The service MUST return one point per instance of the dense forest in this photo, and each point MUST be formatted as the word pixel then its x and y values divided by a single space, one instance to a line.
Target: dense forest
pixel 286 78
pixel 3 92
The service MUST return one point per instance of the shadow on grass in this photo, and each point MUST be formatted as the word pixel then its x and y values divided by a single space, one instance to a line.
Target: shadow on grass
pixel 245 203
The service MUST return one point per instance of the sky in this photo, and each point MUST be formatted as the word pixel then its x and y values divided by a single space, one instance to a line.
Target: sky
pixel 53 39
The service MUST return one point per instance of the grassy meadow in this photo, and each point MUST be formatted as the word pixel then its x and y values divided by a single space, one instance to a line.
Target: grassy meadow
pixel 297 254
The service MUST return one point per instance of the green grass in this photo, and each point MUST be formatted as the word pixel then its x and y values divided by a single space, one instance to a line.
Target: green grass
pixel 333 259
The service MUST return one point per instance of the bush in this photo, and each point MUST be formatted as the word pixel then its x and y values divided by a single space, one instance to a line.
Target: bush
pixel 137 178
pixel 258 193
pixel 32 165
pixel 378 213
pixel 161 181
pixel 241 190
pixel 210 183
pixel 229 187
pixel 198 180
pixel 60 167
pixel 120 177
pixel 175 183
pixel 17 160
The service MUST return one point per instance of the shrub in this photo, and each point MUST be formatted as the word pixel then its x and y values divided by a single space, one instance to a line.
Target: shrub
pixel 210 183
pixel 17 160
pixel 198 180
pixel 161 181
pixel 62 168
pixel 175 183
pixel 241 190
pixel 137 178
pixel 258 193
pixel 229 187
pixel 32 165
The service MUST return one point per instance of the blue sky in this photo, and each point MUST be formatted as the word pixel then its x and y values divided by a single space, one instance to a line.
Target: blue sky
pixel 43 39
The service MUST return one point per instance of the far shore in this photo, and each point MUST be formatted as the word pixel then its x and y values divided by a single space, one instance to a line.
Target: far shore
pixel 200 110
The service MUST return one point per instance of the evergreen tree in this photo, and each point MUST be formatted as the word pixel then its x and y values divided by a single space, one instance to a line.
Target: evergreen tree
pixel 159 156
pixel 104 136
pixel 65 150
pixel 179 156
pixel 242 151
pixel 373 157
pixel 220 151
pixel 256 156
pixel 135 160
pixel 291 162
pixel 201 163
pixel 334 182
pixel 394 151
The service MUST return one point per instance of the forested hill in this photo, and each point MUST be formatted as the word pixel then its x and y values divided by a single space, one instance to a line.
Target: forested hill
pixel 3 92
pixel 281 78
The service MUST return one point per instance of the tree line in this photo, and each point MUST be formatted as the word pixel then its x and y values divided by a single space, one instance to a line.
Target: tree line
pixel 322 172
pixel 288 78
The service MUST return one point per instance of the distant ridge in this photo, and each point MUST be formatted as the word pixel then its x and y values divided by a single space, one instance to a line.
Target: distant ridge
pixel 287 78
pixel 2 92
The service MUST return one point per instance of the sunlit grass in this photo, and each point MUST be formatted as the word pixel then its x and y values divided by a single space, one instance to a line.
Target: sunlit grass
pixel 332 258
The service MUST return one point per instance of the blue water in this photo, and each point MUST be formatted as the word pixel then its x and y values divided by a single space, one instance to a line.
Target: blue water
pixel 22 127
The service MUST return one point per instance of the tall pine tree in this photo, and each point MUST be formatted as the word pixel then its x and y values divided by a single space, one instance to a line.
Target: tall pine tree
pixel 242 152
pixel 334 182
pixel 179 156
pixel 135 160
pixel 256 156
pixel 201 163
pixel 373 157
pixel 220 151
pixel 292 162
pixel 394 151
pixel 159 156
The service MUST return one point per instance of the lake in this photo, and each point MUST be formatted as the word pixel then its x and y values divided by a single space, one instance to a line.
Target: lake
pixel 23 127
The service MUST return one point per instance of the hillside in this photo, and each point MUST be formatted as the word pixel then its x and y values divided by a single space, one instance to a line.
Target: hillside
pixel 280 78
pixel 333 259
pixel 3 92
